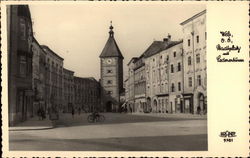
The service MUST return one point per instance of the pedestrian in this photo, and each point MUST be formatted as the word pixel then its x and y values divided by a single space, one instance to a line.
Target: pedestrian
pixel 39 114
pixel 79 111
pixel 73 112
pixel 199 110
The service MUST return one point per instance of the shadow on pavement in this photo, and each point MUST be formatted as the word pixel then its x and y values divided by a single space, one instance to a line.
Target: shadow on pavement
pixel 150 143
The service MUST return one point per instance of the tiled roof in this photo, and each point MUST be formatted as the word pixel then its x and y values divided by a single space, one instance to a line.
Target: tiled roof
pixel 111 49
pixel 158 46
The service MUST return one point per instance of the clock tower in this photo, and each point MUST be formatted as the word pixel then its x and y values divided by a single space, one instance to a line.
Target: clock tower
pixel 111 74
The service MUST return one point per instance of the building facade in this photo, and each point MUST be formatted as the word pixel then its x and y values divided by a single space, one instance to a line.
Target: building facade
pixel 195 69
pixel 54 80
pixel 163 74
pixel 87 94
pixel 140 85
pixel 38 76
pixel 20 36
pixel 175 72
pixel 130 103
pixel 111 60
pixel 68 90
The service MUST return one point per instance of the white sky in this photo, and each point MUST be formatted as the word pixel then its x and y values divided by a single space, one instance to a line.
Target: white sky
pixel 79 32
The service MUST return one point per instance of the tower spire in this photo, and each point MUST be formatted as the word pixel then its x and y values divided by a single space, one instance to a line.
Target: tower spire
pixel 111 32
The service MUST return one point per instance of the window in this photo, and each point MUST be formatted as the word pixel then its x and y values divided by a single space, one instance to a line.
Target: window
pixel 172 88
pixel 205 35
pixel 109 71
pixel 109 92
pixel 179 86
pixel 179 66
pixel 23 65
pixel 188 42
pixel 174 54
pixel 22 30
pixel 198 58
pixel 189 60
pixel 197 39
pixel 109 82
pixel 172 68
pixel 190 81
pixel 199 79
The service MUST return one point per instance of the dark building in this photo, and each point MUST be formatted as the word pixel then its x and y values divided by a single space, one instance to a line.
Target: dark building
pixel 20 36
pixel 87 94
pixel 111 74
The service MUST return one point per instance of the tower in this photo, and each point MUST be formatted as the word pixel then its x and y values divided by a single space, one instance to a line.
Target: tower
pixel 111 74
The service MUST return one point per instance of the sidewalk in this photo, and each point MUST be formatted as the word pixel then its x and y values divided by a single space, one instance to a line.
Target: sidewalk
pixel 33 124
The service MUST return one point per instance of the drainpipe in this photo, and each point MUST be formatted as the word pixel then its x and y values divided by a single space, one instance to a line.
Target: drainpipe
pixel 192 33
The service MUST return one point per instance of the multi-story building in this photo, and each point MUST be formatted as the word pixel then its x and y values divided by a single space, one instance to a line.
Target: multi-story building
pixel 163 74
pixel 140 85
pixel 20 36
pixel 130 102
pixel 111 60
pixel 68 89
pixel 87 94
pixel 195 76
pixel 38 76
pixel 54 79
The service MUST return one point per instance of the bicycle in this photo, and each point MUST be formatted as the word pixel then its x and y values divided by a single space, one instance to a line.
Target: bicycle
pixel 98 118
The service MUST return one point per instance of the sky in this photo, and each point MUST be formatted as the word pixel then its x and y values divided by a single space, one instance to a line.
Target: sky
pixel 79 32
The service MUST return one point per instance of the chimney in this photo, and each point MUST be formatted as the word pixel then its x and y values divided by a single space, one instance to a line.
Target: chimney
pixel 165 39
pixel 169 37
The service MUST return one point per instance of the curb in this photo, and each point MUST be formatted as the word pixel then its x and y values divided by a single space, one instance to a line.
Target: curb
pixel 30 128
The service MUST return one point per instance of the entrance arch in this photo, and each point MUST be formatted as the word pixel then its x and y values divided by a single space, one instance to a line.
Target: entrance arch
pixel 148 106
pixel 201 102
pixel 155 105
pixel 109 106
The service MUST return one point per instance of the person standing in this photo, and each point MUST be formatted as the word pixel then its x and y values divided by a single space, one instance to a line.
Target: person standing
pixel 73 112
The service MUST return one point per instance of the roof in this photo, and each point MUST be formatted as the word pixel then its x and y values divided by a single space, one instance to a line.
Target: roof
pixel 45 48
pixel 111 49
pixel 86 78
pixel 158 46
pixel 67 70
pixel 132 60
pixel 193 17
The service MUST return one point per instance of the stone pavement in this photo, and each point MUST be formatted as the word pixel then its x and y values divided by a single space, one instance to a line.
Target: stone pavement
pixel 33 124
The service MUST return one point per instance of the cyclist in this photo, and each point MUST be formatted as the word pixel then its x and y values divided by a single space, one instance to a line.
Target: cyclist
pixel 95 114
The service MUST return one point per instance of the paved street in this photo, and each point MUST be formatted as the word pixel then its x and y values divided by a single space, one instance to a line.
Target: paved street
pixel 119 132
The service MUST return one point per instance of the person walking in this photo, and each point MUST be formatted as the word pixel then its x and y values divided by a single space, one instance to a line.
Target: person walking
pixel 73 112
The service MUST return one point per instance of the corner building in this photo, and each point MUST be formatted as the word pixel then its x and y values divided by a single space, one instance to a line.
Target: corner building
pixel 195 63
pixel 19 40
pixel 111 75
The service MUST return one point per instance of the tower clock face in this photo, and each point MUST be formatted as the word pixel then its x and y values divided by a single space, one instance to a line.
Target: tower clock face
pixel 109 61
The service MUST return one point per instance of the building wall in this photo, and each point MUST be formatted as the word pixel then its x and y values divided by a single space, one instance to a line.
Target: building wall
pixel 68 90
pixel 140 86
pixel 159 79
pixel 196 69
pixel 19 33
pixel 54 79
pixel 175 72
pixel 38 77
pixel 87 94
pixel 131 86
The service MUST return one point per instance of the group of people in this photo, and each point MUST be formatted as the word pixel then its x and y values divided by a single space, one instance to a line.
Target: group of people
pixel 41 113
